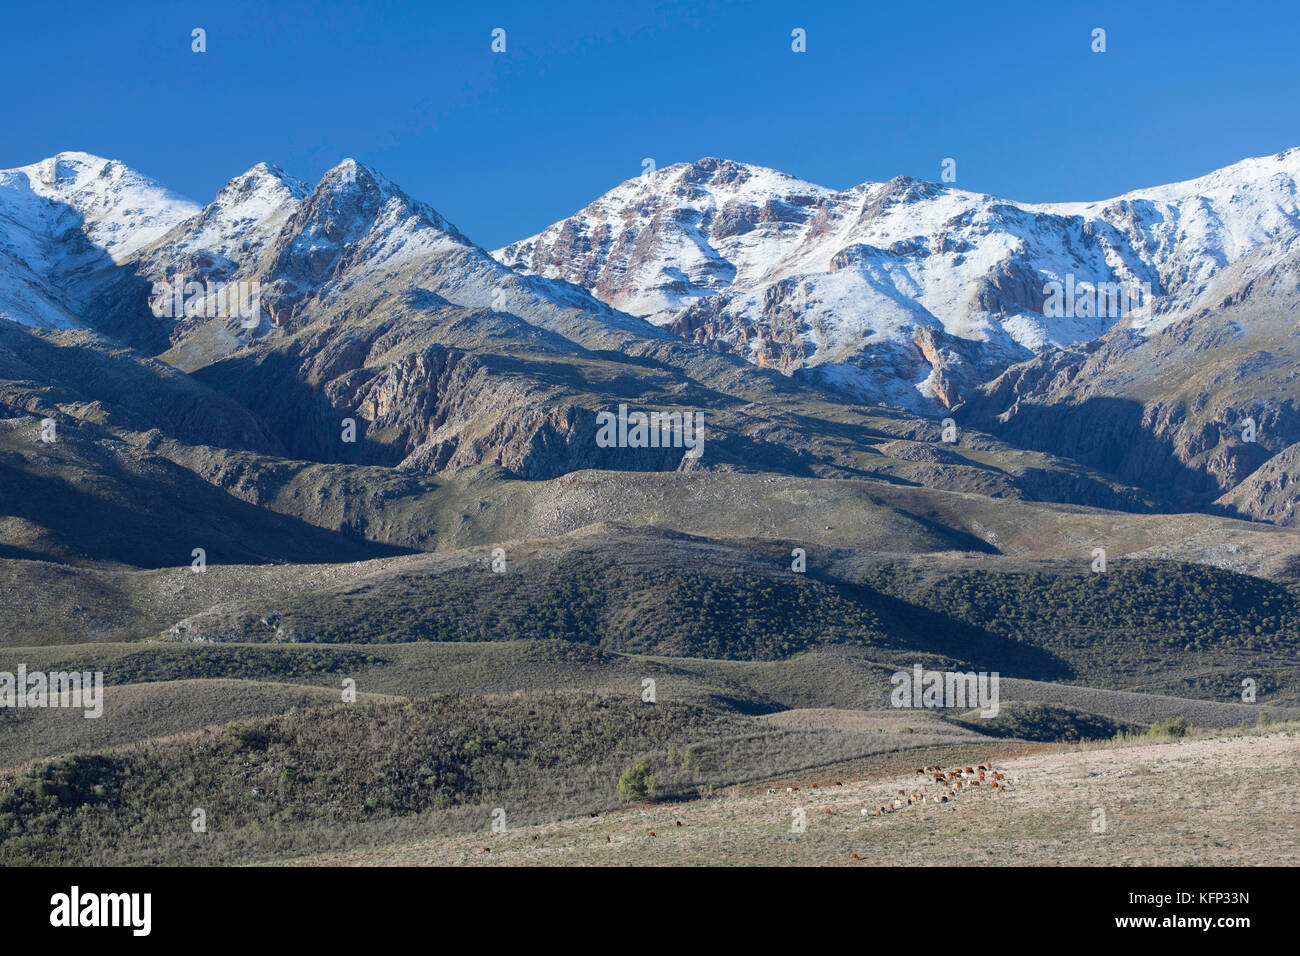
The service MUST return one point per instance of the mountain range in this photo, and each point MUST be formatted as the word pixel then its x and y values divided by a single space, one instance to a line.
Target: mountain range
pixel 826 332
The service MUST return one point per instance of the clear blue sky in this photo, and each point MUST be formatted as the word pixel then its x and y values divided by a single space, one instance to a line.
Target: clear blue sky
pixel 505 144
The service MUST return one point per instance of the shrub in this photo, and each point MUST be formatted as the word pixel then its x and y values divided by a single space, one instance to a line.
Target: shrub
pixel 637 781
pixel 1175 727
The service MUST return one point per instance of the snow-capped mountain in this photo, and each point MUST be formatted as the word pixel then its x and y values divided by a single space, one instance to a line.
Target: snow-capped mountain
pixel 905 291
pixel 87 242
pixel 358 238
pixel 370 303
pixel 65 223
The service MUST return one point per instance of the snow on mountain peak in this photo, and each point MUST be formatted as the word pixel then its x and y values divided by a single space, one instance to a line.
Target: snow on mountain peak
pixel 120 210
pixel 68 220
pixel 791 274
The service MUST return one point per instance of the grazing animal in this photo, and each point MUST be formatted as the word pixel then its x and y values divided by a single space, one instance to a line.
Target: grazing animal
pixel 679 822
pixel 487 849
pixel 652 833
pixel 943 799
pixel 854 856
pixel 607 839
pixel 791 789
pixel 838 784
pixel 828 813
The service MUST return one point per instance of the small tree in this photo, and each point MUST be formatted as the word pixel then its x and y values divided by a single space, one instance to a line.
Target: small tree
pixel 1177 727
pixel 637 781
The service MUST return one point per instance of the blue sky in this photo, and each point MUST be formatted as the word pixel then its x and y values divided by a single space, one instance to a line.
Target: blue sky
pixel 504 144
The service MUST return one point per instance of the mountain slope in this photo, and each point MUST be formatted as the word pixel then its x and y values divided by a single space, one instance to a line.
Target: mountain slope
pixel 1197 406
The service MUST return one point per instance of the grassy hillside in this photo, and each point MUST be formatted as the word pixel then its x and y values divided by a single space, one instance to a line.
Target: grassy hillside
pixel 1184 630
pixel 366 774
pixel 1163 627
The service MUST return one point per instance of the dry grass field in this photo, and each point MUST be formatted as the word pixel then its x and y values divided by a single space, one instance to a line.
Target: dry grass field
pixel 1217 800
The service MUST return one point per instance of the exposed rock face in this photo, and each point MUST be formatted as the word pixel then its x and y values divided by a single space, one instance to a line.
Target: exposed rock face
pixel 441 410
pixel 1272 492
pixel 79 376
pixel 1192 410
